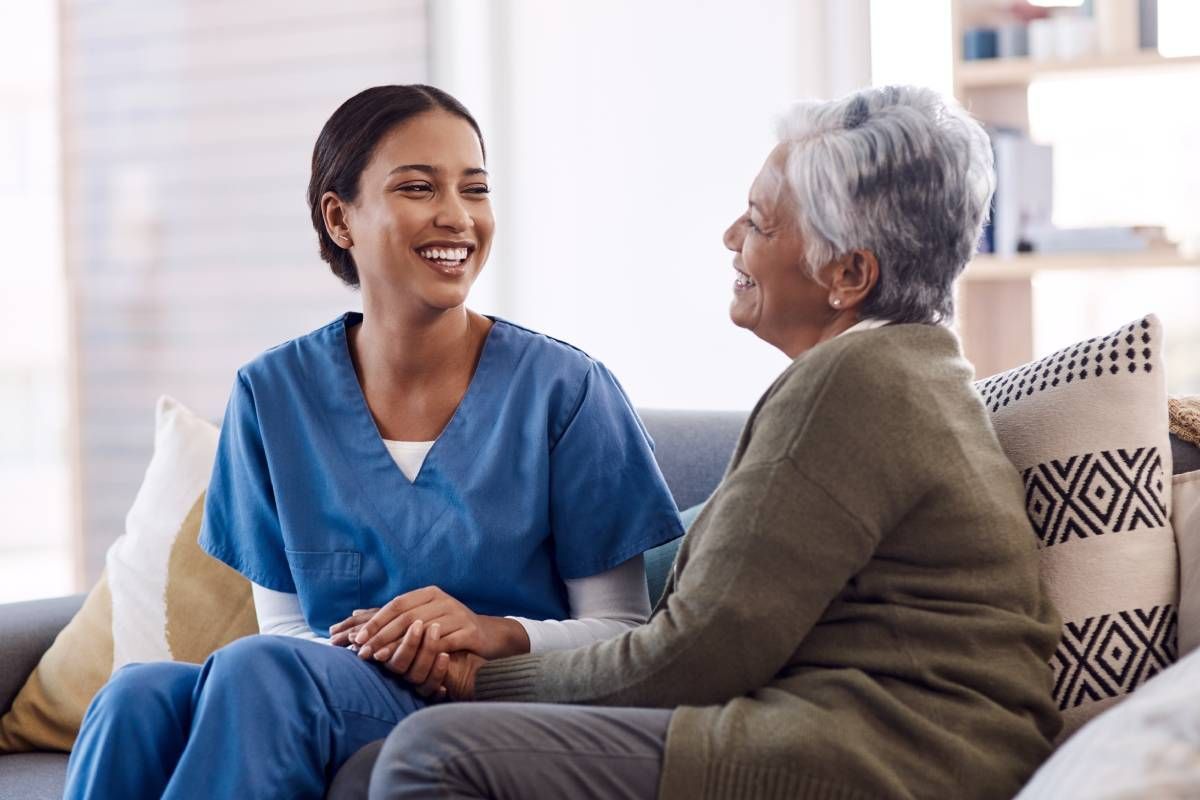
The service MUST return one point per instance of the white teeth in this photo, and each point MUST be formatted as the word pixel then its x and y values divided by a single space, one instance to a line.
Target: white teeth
pixel 444 253
pixel 743 280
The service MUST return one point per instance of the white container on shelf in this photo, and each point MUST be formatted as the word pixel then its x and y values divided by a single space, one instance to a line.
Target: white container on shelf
pixel 1117 26
pixel 1043 40
pixel 1074 37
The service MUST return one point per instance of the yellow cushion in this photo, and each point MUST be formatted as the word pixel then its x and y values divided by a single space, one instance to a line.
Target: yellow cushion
pixel 160 597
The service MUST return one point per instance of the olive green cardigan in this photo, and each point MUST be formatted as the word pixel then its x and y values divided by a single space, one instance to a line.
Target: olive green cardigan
pixel 857 612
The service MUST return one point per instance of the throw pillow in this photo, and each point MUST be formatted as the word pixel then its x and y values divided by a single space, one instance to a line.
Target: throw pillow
pixel 659 560
pixel 1185 418
pixel 1087 428
pixel 160 596
pixel 1185 518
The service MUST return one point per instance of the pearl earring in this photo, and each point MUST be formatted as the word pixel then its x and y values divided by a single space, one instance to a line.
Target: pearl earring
pixel 835 302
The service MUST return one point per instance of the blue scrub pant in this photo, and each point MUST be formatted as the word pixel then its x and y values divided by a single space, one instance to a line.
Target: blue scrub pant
pixel 266 716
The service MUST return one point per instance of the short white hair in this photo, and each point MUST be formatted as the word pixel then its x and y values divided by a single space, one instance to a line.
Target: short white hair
pixel 901 172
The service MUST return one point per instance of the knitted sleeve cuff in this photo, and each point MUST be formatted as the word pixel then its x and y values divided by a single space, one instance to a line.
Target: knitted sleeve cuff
pixel 513 679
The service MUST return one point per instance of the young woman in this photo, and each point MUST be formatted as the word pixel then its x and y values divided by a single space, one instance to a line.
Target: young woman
pixel 477 486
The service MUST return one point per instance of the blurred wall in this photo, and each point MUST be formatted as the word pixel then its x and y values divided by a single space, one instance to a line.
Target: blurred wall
pixel 188 129
pixel 624 137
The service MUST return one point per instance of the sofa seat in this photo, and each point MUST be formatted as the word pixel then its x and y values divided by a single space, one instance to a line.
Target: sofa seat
pixel 32 776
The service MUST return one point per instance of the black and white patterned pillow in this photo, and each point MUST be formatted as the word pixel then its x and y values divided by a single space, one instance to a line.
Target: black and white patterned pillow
pixel 1087 428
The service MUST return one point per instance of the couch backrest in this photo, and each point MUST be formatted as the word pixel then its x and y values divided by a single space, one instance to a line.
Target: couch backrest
pixel 693 449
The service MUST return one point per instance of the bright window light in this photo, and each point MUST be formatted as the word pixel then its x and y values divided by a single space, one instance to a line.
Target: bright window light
pixel 912 43
pixel 1179 27
pixel 1123 149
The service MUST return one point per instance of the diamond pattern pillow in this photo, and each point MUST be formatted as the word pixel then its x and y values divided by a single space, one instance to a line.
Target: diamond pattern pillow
pixel 1087 428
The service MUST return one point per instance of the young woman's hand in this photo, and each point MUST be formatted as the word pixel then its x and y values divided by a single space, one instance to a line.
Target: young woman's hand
pixel 377 632
pixel 421 658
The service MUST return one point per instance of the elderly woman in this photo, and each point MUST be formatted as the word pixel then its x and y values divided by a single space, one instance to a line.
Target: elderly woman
pixel 857 611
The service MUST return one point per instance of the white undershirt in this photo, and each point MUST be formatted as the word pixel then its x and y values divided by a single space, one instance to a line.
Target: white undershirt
pixel 601 605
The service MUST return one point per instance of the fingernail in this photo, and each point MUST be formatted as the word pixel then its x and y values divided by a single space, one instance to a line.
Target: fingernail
pixel 381 655
pixel 361 637
pixel 365 652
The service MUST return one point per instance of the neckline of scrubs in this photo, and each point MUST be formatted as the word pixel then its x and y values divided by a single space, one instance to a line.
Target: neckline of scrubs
pixel 368 430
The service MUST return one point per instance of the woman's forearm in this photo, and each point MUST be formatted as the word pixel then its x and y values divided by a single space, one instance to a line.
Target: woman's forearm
pixel 602 606
pixel 753 587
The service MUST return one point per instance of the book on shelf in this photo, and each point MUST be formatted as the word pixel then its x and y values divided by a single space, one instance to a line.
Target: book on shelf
pixel 1024 193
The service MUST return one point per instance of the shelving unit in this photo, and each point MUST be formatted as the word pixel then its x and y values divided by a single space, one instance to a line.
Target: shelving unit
pixel 986 268
pixel 1019 72
pixel 995 296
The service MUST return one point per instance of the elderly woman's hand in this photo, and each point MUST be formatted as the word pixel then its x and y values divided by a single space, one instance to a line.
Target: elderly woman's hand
pixel 459 681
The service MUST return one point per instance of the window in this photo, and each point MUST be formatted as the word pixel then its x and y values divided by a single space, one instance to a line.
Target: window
pixel 36 509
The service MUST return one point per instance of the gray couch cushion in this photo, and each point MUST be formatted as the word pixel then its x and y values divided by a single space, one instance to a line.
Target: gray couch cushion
pixel 33 776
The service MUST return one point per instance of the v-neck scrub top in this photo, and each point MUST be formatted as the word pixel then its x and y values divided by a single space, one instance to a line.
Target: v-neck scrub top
pixel 543 473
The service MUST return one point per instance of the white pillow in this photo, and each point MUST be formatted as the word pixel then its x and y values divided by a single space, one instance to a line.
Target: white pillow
pixel 1148 747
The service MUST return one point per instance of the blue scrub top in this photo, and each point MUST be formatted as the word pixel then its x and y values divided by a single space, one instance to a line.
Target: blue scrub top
pixel 543 473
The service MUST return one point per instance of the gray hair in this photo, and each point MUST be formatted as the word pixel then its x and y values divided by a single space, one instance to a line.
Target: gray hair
pixel 900 172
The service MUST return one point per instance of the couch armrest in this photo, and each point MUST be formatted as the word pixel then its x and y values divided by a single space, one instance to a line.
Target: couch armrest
pixel 26 632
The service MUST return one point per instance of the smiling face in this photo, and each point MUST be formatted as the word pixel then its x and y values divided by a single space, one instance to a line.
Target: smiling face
pixel 421 227
pixel 774 295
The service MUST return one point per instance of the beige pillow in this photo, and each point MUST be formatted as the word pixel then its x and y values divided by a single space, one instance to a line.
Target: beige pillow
pixel 160 597
pixel 1087 428
pixel 1185 518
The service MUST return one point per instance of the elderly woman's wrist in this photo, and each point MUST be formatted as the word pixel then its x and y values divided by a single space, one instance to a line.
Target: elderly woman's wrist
pixel 506 679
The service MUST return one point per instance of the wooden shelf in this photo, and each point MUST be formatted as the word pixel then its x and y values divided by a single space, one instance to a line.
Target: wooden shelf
pixel 992 73
pixel 995 296
pixel 989 268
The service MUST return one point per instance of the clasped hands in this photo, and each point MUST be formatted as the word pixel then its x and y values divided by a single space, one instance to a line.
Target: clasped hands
pixel 431 640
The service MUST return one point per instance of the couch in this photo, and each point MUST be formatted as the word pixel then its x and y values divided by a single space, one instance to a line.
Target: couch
pixel 693 449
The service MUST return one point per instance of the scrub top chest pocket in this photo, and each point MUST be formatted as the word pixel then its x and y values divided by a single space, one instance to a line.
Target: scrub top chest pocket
pixel 329 582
